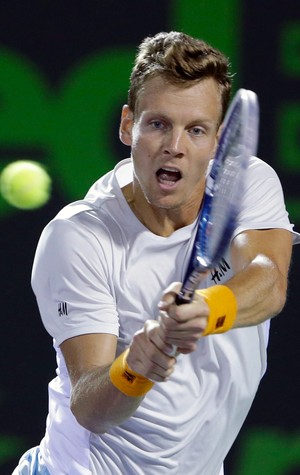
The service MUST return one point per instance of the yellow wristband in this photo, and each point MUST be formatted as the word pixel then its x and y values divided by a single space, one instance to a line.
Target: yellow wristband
pixel 222 308
pixel 126 380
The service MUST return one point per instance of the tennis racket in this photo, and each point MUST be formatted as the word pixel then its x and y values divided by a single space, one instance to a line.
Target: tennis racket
pixel 224 188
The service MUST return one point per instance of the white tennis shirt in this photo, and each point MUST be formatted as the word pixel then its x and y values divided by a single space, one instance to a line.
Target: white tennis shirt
pixel 97 269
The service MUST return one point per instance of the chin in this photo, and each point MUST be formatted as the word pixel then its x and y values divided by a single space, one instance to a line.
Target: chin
pixel 165 204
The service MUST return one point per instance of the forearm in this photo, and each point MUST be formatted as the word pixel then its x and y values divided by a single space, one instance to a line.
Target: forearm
pixel 260 290
pixel 97 404
pixel 257 291
pixel 103 395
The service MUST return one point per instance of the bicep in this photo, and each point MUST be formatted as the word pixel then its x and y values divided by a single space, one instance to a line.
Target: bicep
pixel 84 353
pixel 261 260
pixel 270 245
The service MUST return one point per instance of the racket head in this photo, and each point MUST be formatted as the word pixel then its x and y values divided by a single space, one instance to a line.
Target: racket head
pixel 224 188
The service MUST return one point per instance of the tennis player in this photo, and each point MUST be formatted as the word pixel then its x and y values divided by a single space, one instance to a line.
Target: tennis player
pixel 107 270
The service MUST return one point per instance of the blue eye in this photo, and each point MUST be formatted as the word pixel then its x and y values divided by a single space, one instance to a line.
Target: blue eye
pixel 197 131
pixel 156 124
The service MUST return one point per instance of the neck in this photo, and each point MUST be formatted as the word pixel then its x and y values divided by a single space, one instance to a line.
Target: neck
pixel 160 221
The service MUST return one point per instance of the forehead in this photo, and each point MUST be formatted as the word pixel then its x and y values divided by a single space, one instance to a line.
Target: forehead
pixel 202 97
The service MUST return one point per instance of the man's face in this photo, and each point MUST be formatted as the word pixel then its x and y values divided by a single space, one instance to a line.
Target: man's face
pixel 172 137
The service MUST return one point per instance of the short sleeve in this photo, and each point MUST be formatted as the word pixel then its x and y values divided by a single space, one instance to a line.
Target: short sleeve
pixel 263 205
pixel 71 279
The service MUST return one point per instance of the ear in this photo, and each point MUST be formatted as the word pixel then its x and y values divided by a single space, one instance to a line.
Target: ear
pixel 126 125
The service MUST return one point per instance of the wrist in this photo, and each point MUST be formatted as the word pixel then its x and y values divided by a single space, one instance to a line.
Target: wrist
pixel 126 380
pixel 222 306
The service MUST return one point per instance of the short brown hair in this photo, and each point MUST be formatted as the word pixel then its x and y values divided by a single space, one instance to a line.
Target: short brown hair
pixel 180 59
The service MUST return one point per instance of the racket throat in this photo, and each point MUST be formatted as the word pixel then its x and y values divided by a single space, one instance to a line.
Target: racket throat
pixel 191 283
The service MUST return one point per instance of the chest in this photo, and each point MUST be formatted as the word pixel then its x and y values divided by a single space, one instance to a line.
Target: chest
pixel 143 267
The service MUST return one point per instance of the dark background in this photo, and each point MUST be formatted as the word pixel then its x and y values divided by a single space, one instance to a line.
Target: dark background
pixel 55 36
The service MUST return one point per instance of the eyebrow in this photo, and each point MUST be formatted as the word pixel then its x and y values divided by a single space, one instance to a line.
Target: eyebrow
pixel 168 118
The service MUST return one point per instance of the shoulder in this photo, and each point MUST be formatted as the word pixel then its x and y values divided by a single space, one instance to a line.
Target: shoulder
pixel 262 203
pixel 262 181
pixel 259 169
pixel 76 229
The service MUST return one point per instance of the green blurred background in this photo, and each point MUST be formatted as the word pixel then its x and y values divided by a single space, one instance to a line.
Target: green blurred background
pixel 64 69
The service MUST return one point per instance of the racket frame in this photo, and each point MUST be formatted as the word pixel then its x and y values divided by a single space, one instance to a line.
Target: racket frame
pixel 243 113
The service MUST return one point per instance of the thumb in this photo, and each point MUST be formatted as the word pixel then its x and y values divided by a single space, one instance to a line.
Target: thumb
pixel 169 295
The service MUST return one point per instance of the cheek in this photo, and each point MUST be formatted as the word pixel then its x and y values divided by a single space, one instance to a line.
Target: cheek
pixel 141 147
pixel 138 142
pixel 202 163
pixel 134 137
pixel 197 172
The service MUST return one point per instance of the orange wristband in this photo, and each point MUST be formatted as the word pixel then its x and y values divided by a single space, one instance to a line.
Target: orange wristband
pixel 126 380
pixel 222 308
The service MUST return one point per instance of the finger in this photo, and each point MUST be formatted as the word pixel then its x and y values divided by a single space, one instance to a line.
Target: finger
pixel 169 295
pixel 155 333
pixel 146 358
pixel 188 311
pixel 192 328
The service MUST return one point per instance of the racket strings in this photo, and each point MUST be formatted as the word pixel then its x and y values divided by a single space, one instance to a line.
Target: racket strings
pixel 227 193
pixel 224 188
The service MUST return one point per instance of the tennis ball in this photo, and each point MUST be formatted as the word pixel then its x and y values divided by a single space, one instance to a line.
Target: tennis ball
pixel 25 184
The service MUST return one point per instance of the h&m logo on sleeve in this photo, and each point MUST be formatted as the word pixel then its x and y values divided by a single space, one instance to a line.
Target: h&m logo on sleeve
pixel 62 309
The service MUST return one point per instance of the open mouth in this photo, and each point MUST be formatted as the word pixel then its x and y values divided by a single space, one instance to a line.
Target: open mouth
pixel 168 176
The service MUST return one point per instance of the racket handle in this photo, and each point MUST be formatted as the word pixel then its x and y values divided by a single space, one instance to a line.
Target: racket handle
pixel 174 351
pixel 181 299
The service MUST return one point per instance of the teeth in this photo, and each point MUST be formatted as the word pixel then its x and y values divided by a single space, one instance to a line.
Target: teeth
pixel 168 175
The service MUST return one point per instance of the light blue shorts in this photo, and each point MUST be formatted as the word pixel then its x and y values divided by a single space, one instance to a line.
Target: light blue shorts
pixel 31 463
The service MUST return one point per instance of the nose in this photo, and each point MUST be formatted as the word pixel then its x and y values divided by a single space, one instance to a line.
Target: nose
pixel 174 143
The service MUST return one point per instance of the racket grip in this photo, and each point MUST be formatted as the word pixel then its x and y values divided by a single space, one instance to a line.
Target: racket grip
pixel 180 299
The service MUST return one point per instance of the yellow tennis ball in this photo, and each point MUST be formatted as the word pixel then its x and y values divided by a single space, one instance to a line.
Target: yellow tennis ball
pixel 25 184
